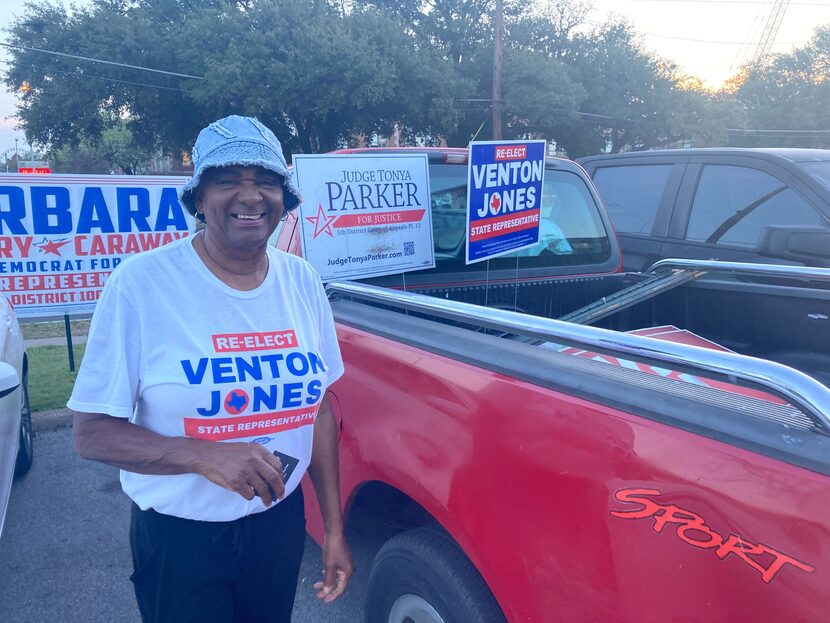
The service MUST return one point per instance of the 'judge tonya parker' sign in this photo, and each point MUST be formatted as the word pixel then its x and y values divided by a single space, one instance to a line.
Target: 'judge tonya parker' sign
pixel 365 215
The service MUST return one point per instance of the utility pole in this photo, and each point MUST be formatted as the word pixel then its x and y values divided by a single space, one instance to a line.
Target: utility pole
pixel 498 44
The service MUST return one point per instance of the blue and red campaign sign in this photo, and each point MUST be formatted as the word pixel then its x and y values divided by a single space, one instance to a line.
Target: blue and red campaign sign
pixel 62 235
pixel 504 193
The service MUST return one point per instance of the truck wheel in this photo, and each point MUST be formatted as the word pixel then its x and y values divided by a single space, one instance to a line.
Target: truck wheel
pixel 421 576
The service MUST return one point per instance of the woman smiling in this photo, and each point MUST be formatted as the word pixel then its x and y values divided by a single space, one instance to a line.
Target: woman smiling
pixel 186 388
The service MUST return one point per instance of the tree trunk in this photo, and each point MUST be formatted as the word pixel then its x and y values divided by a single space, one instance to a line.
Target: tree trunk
pixel 304 138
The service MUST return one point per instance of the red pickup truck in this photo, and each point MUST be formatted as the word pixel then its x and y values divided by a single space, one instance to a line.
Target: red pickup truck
pixel 527 469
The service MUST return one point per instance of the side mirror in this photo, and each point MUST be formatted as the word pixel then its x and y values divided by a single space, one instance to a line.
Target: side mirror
pixel 808 245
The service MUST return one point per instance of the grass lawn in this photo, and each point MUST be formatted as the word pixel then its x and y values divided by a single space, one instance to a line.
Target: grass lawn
pixel 50 381
pixel 33 330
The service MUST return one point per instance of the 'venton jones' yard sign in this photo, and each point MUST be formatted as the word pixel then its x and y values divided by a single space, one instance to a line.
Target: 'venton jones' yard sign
pixel 504 194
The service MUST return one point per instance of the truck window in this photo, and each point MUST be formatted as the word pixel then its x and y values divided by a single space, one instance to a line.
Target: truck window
pixel 734 204
pixel 571 231
pixel 632 194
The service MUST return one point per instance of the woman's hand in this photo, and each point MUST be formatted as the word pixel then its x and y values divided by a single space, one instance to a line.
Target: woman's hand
pixel 246 468
pixel 337 568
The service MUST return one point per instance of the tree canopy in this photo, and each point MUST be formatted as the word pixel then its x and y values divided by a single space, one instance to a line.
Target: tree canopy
pixel 785 99
pixel 322 72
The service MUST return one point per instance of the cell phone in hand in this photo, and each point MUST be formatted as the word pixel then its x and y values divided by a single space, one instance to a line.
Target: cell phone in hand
pixel 289 464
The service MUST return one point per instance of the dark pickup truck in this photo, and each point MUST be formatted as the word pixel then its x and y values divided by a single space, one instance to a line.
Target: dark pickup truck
pixel 742 205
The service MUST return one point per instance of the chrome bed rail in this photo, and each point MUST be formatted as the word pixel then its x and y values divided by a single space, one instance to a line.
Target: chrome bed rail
pixel 743 268
pixel 801 390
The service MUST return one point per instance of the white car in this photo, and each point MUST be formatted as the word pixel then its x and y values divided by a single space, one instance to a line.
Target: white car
pixel 15 417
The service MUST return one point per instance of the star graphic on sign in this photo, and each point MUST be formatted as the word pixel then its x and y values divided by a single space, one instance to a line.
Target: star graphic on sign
pixel 495 202
pixel 51 246
pixel 322 222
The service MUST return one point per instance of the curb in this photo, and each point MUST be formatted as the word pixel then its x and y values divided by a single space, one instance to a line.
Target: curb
pixel 51 420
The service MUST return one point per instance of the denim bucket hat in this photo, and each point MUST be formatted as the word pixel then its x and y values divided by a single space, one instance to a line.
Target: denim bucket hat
pixel 242 141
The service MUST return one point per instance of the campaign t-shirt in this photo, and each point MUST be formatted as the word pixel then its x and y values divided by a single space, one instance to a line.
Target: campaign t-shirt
pixel 177 351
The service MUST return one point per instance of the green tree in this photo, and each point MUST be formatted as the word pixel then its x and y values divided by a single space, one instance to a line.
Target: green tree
pixel 537 93
pixel 633 99
pixel 787 92
pixel 118 147
pixel 322 71
pixel 549 27
pixel 305 69
pixel 115 151
pixel 461 32
pixel 56 109
pixel 704 115
pixel 83 158
pixel 457 28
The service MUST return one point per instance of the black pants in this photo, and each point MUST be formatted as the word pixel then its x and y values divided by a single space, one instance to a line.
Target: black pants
pixel 242 571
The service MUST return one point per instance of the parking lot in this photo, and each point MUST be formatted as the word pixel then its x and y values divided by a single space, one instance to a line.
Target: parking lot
pixel 64 553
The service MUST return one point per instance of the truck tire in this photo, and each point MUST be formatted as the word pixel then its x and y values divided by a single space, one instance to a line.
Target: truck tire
pixel 422 576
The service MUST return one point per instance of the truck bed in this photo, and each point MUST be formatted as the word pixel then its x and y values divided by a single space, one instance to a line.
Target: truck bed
pixel 784 318
pixel 581 491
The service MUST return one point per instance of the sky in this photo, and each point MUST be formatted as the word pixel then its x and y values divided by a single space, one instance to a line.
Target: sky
pixel 706 38
pixel 711 38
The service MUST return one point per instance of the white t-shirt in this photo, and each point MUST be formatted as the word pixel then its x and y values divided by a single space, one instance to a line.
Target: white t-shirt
pixel 177 351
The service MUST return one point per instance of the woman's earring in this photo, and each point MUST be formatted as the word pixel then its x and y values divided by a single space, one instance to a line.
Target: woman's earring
pixel 199 217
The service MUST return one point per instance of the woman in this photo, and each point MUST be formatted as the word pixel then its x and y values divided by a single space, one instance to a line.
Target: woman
pixel 204 380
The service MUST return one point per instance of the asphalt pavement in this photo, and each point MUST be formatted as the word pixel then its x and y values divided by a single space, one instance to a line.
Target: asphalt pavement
pixel 64 554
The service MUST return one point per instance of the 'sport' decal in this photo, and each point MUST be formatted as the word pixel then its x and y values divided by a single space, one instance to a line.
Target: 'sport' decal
pixel 690 528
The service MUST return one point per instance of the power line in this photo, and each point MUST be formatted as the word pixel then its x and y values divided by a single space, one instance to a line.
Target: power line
pixel 563 110
pixel 98 60
pixel 138 84
pixel 654 34
pixel 596 118
pixel 740 54
pixel 749 131
pixel 590 114
pixel 824 4
pixel 651 34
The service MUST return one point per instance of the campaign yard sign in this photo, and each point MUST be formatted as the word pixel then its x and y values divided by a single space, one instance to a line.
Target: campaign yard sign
pixel 365 215
pixel 62 235
pixel 504 193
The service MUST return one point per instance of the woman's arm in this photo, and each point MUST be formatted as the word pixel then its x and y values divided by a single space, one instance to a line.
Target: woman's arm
pixel 324 471
pixel 245 468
